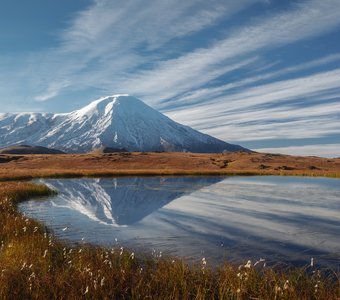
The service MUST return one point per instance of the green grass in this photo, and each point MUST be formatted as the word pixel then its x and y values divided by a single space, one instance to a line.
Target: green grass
pixel 35 265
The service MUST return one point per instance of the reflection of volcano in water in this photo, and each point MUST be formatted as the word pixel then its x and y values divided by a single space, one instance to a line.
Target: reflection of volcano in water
pixel 282 219
pixel 123 201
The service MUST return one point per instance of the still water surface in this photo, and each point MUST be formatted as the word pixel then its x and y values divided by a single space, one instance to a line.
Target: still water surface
pixel 286 220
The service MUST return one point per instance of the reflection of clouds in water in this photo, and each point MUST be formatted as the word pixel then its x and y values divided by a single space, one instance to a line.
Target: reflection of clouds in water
pixel 288 218
pixel 285 218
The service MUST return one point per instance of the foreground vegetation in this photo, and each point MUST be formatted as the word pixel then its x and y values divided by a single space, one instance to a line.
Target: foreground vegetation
pixel 35 265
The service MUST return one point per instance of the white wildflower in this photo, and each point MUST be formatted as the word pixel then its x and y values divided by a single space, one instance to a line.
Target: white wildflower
pixel 286 285
pixel 102 282
pixel 248 264
pixel 45 253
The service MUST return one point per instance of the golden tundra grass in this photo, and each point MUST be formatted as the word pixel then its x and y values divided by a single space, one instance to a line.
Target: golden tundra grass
pixel 19 167
pixel 35 265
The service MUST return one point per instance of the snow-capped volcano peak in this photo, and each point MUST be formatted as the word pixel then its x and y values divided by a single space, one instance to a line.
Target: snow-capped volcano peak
pixel 120 104
pixel 100 105
pixel 118 121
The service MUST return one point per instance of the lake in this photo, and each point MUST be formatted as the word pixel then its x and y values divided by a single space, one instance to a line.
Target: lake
pixel 284 220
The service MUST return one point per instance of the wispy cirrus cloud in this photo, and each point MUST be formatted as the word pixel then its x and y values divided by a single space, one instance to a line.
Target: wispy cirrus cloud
pixel 307 20
pixel 325 150
pixel 111 40
pixel 304 107
pixel 200 95
pixel 52 90
pixel 115 46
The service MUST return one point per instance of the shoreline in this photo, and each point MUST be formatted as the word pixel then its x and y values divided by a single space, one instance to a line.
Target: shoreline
pixel 141 174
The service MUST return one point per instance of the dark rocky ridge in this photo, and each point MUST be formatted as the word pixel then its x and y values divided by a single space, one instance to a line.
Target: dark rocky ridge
pixel 103 150
pixel 26 149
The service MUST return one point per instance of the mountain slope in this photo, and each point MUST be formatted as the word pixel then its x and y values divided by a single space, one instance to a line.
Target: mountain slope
pixel 117 121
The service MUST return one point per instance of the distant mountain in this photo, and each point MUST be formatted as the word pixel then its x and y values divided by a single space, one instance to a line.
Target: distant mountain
pixel 121 122
pixel 25 149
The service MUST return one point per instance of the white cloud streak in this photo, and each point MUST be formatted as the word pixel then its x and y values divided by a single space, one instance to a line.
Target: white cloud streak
pixel 283 109
pixel 101 48
pixel 200 95
pixel 323 150
pixel 103 45
pixel 309 19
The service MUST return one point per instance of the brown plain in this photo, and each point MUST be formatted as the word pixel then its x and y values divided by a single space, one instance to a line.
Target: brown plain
pixel 151 163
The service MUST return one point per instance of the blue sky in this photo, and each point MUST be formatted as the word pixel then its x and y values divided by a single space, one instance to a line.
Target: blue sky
pixel 264 74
